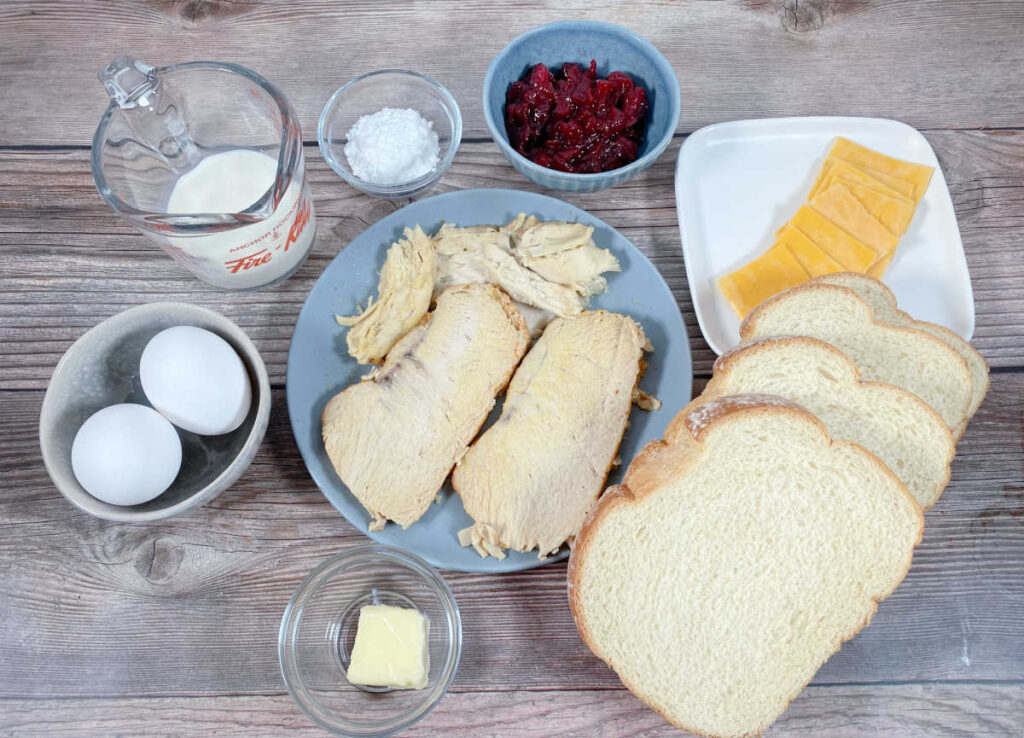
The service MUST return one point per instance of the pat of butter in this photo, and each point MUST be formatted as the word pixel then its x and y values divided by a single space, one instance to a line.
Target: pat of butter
pixel 390 648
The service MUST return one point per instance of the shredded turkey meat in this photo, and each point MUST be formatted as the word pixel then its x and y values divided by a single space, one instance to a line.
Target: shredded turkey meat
pixel 549 269
pixel 565 253
pixel 403 298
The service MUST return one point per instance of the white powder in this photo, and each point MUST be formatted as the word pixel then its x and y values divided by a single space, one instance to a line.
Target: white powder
pixel 392 146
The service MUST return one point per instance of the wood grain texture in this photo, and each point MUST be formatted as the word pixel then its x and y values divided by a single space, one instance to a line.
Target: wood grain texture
pixel 928 64
pixel 60 245
pixel 903 711
pixel 192 604
pixel 170 628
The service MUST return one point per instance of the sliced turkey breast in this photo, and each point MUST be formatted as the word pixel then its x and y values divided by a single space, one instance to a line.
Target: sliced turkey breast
pixel 394 437
pixel 531 478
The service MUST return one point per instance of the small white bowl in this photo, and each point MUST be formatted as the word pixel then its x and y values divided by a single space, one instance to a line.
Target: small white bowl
pixel 102 368
pixel 389 88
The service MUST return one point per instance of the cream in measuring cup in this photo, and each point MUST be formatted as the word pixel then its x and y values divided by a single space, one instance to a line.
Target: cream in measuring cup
pixel 230 182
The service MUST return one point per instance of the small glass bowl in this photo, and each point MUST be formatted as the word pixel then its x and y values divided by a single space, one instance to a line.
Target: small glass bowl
pixel 389 88
pixel 319 629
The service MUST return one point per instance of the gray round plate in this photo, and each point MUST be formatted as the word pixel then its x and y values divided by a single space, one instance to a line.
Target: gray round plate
pixel 319 365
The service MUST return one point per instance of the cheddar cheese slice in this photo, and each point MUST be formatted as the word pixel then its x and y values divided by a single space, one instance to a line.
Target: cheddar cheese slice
pixel 918 175
pixel 877 269
pixel 902 186
pixel 840 206
pixel 833 240
pixel 775 270
pixel 814 261
pixel 880 179
pixel 824 175
pixel 861 203
pixel 895 213
pixel 834 169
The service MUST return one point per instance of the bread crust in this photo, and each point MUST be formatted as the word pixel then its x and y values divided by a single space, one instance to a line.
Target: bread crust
pixel 642 481
pixel 749 324
pixel 950 337
pixel 677 425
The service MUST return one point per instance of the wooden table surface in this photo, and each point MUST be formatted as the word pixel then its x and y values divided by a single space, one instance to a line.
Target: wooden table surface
pixel 170 628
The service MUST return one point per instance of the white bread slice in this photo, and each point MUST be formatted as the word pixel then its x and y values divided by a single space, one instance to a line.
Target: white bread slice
pixel 731 564
pixel 530 479
pixel 893 424
pixel 883 304
pixel 907 357
pixel 395 436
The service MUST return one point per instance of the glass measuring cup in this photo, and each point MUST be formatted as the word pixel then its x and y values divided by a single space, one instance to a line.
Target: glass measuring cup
pixel 206 160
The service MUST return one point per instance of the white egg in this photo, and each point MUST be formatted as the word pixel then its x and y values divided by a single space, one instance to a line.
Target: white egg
pixel 126 454
pixel 196 380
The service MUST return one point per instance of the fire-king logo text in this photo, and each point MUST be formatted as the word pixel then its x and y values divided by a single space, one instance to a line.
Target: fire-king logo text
pixel 301 218
pixel 248 262
pixel 263 256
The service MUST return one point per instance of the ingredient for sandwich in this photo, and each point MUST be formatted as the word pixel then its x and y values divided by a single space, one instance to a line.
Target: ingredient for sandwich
pixel 861 203
pixel 531 478
pixel 228 182
pixel 548 268
pixel 196 380
pixel 551 266
pixel 746 480
pixel 564 253
pixel 895 425
pixel 392 146
pixel 905 356
pixel 391 648
pixel 748 550
pixel 394 437
pixel 885 310
pixel 574 121
pixel 250 255
pixel 126 454
pixel 403 297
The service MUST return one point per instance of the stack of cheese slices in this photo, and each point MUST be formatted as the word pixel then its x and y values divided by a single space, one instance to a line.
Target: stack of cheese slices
pixel 781 506
pixel 859 207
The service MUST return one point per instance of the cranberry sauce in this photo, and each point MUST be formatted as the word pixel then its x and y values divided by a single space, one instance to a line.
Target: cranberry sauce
pixel 575 121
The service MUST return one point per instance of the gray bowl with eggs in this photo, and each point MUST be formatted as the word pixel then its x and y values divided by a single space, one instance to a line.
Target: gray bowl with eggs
pixel 102 368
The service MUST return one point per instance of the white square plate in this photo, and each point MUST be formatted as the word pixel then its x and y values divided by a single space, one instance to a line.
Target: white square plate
pixel 736 183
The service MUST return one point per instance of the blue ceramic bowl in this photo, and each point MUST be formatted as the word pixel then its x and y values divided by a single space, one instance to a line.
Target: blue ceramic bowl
pixel 614 48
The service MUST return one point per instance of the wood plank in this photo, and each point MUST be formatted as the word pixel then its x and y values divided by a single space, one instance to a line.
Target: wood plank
pixel 934 710
pixel 170 628
pixel 940 64
pixel 192 604
pixel 61 245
